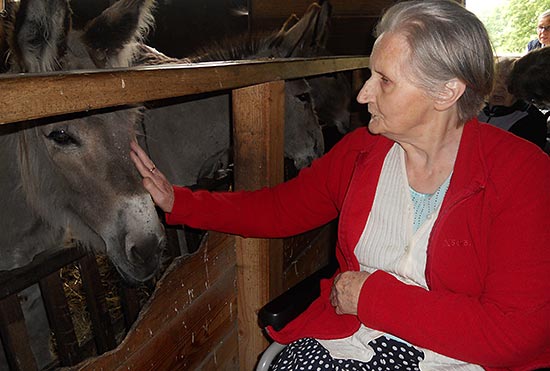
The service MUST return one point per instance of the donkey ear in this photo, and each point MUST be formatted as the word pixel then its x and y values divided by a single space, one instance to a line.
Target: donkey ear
pixel 111 36
pixel 40 34
pixel 308 36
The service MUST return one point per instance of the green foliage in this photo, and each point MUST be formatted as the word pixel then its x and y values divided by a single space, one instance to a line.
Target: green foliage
pixel 512 24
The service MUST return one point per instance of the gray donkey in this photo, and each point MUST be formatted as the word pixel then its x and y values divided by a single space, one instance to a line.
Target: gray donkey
pixel 71 178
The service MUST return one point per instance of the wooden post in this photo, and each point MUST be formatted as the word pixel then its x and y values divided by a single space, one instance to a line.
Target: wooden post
pixel 15 338
pixel 258 128
pixel 104 334
pixel 60 320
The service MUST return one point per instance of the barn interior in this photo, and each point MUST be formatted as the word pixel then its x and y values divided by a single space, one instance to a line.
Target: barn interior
pixel 227 335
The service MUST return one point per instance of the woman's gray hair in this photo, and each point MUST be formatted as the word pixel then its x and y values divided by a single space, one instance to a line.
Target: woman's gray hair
pixel 544 14
pixel 446 42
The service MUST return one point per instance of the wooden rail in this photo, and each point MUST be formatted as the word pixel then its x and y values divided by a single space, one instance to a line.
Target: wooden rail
pixel 24 96
pixel 258 115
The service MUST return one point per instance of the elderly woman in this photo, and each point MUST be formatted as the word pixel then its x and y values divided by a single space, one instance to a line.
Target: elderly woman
pixel 443 222
pixel 506 111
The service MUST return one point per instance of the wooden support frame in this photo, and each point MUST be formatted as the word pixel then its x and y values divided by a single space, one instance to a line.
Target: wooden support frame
pixel 258 126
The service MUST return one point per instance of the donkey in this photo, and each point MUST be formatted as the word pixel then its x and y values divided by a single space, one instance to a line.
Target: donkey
pixel 310 103
pixel 189 140
pixel 70 177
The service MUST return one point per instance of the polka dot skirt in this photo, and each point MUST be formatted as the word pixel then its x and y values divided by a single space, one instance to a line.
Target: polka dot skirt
pixel 309 355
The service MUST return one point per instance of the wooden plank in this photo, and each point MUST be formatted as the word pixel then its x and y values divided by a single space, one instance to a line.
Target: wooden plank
pixel 43 264
pixel 189 336
pixel 129 301
pixel 104 335
pixel 60 320
pixel 60 93
pixel 226 356
pixel 308 253
pixel 191 311
pixel 15 338
pixel 258 124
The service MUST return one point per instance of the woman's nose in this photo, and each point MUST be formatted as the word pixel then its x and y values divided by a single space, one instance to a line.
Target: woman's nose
pixel 364 93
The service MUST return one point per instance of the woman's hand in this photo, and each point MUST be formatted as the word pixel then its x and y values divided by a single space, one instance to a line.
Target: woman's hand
pixel 153 180
pixel 344 296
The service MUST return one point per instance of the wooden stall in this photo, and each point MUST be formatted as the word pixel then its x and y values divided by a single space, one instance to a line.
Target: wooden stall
pixel 203 312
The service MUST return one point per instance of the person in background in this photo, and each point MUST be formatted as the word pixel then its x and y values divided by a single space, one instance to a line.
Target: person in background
pixel 543 32
pixel 506 111
pixel 443 221
pixel 530 78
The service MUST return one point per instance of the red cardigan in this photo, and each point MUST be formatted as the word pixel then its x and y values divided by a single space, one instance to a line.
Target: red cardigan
pixel 488 265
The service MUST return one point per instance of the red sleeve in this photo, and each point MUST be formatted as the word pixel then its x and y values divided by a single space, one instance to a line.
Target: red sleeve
pixel 508 324
pixel 308 201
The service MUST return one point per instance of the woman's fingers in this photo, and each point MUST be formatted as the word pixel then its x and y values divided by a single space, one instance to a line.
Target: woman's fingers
pixel 141 160
pixel 154 180
pixel 345 291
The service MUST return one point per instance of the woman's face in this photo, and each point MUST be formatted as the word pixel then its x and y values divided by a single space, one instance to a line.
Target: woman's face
pixel 543 31
pixel 499 95
pixel 398 108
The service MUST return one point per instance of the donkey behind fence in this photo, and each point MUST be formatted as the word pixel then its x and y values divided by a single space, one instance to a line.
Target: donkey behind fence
pixel 70 178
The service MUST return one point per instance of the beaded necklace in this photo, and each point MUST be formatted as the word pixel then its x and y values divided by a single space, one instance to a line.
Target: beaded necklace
pixel 425 204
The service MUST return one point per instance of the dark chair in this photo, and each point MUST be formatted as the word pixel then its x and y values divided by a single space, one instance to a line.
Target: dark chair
pixel 287 306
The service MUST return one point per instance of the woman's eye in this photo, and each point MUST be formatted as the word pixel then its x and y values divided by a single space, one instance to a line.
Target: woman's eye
pixel 62 138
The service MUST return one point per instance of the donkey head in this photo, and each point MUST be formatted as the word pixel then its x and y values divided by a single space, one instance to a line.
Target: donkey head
pixel 329 96
pixel 43 39
pixel 76 171
pixel 307 37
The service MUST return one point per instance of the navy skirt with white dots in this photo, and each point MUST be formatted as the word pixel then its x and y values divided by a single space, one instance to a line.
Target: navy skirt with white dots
pixel 309 355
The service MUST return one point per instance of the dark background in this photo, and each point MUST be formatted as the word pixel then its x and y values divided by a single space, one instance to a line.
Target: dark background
pixel 182 26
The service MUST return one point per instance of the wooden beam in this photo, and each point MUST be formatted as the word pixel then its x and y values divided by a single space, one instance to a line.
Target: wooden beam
pixel 31 96
pixel 258 125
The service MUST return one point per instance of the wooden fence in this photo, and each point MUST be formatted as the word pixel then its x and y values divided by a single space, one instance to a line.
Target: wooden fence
pixel 203 312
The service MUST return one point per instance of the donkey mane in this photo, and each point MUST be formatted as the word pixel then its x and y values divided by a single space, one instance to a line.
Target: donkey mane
pixel 296 38
pixel 235 48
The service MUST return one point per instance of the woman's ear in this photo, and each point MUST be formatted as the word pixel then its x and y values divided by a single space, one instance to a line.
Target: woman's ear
pixel 449 94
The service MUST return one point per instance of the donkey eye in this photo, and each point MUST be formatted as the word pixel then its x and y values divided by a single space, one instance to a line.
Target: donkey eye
pixel 62 138
pixel 305 97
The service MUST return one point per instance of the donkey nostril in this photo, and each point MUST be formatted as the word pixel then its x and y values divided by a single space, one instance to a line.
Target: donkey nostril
pixel 142 253
pixel 134 255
